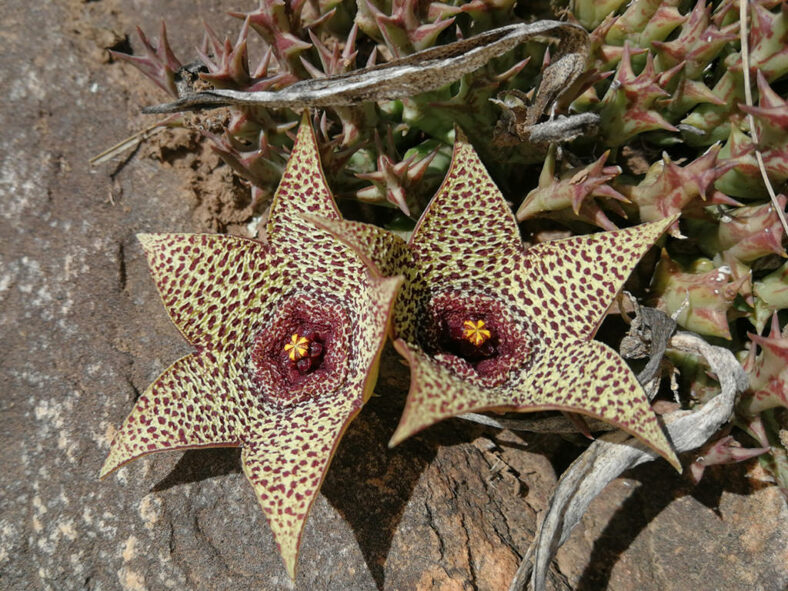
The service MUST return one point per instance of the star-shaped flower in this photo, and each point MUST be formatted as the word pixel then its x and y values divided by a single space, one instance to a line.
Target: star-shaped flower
pixel 287 336
pixel 541 307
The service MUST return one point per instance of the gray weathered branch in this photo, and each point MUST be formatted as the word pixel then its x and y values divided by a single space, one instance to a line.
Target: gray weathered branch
pixel 419 72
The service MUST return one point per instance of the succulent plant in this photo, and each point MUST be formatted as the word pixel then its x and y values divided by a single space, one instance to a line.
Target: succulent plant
pixel 675 136
pixel 723 451
pixel 574 189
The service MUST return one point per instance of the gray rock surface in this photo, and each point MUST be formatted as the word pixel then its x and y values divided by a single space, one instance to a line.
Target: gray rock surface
pixel 82 332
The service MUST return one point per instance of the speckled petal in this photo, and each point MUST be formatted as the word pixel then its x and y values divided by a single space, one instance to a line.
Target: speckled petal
pixel 385 251
pixel 287 460
pixel 590 378
pixel 582 377
pixel 185 407
pixel 287 451
pixel 436 393
pixel 373 325
pixel 545 305
pixel 568 285
pixel 212 285
pixel 303 188
pixel 237 301
pixel 468 226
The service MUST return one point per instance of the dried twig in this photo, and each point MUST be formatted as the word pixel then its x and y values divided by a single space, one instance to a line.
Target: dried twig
pixel 648 336
pixel 130 142
pixel 419 72
pixel 552 424
pixel 745 58
pixel 615 452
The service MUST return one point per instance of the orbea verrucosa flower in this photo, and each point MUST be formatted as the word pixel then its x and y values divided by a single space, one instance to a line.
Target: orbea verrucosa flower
pixel 487 325
pixel 287 336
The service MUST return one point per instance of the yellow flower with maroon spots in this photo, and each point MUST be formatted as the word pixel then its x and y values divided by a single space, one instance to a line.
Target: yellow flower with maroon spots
pixel 487 325
pixel 287 336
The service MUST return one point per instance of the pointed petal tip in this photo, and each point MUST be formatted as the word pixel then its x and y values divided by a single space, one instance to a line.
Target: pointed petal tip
pixel 396 439
pixel 304 126
pixel 286 499
pixel 656 441
pixel 673 460
pixel 459 135
pixel 106 469
pixel 112 463
pixel 149 241
pixel 669 455
pixel 145 239
pixel 405 430
pixel 673 218
pixel 288 541
pixel 303 187
pixel 661 226
pixel 290 565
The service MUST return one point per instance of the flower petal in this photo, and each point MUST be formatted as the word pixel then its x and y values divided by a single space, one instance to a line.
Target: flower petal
pixel 185 407
pixel 568 285
pixel 287 451
pixel 302 190
pixel 436 393
pixel 238 301
pixel 372 322
pixel 582 377
pixel 591 378
pixel 212 285
pixel 381 249
pixel 468 224
pixel 286 459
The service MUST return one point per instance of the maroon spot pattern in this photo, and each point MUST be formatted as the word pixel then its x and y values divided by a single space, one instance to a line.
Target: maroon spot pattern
pixel 283 381
pixel 553 296
pixel 231 296
pixel 440 336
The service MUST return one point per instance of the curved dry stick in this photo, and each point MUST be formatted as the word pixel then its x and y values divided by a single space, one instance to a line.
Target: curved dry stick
pixel 553 424
pixel 419 72
pixel 745 58
pixel 606 458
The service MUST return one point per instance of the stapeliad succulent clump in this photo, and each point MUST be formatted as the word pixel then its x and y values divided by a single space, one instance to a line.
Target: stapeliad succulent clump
pixel 675 145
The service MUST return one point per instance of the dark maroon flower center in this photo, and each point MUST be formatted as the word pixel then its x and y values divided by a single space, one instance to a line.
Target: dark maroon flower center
pixel 470 336
pixel 475 336
pixel 302 352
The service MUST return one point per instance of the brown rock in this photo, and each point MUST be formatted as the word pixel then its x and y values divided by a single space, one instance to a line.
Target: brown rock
pixel 652 525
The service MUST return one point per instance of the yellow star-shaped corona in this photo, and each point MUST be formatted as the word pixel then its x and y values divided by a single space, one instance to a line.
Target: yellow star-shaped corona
pixel 297 348
pixel 474 332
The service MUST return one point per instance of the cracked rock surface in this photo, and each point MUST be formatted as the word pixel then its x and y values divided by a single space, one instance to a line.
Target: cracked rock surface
pixel 82 333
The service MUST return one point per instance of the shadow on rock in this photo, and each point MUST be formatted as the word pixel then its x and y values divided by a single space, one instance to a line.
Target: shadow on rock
pixel 200 464
pixel 369 484
pixel 660 487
